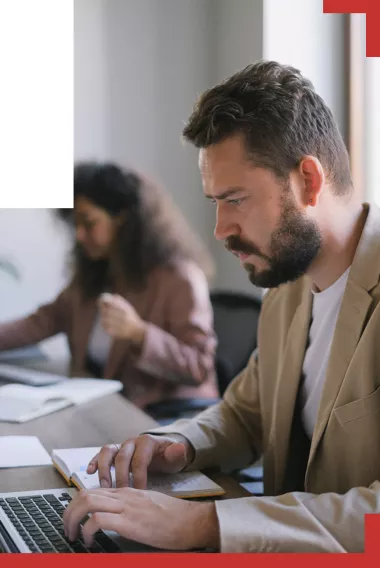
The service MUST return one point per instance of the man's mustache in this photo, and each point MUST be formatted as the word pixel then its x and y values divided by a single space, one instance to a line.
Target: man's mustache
pixel 235 244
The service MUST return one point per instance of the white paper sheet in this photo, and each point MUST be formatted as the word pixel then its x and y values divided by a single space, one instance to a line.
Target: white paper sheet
pixel 22 451
pixel 19 374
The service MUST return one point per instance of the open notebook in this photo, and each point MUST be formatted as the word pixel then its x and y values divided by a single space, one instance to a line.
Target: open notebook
pixel 72 465
pixel 19 374
pixel 20 403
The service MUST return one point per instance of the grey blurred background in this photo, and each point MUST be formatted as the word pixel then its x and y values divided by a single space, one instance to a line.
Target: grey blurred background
pixel 138 68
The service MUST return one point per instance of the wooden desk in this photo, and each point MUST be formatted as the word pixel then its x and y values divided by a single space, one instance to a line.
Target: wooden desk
pixel 107 420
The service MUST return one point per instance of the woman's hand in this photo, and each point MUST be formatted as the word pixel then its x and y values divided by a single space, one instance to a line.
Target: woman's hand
pixel 147 517
pixel 120 319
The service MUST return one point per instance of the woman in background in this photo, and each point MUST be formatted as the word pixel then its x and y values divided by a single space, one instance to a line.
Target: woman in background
pixel 138 307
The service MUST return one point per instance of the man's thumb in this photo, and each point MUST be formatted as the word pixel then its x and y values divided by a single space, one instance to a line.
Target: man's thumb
pixel 176 455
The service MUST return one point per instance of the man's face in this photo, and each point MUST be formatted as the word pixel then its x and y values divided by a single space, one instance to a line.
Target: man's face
pixel 260 219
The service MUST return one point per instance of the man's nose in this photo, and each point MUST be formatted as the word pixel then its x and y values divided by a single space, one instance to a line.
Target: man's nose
pixel 224 226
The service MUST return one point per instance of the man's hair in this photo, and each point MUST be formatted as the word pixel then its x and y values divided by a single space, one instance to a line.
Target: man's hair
pixel 280 117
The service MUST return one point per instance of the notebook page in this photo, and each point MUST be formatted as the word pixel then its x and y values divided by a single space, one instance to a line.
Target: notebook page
pixel 19 374
pixel 83 390
pixel 186 484
pixel 74 459
pixel 76 391
pixel 22 451
pixel 25 393
pixel 19 410
pixel 20 403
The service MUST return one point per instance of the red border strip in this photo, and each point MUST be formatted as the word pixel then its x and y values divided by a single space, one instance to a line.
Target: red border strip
pixel 368 559
pixel 369 7
pixel 372 555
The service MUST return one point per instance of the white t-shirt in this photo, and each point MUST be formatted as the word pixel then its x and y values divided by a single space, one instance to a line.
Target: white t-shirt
pixel 99 344
pixel 325 312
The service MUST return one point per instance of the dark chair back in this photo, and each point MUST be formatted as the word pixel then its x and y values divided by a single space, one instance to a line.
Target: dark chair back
pixel 235 321
pixel 236 318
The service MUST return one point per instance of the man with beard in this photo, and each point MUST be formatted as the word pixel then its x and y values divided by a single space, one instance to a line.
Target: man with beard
pixel 273 162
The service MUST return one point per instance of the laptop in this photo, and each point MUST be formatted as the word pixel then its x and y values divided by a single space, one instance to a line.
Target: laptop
pixel 31 522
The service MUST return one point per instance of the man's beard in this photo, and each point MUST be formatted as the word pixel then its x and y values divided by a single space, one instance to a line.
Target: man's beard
pixel 293 247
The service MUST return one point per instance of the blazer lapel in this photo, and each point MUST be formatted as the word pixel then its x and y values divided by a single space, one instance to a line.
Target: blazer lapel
pixel 352 316
pixel 288 384
pixel 363 276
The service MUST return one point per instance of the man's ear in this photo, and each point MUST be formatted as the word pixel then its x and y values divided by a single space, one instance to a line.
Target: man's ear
pixel 311 171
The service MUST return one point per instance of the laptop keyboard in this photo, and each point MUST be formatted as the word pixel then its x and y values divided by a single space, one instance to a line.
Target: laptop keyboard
pixel 38 519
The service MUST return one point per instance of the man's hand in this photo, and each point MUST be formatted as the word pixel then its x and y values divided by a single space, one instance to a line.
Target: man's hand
pixel 147 517
pixel 158 454
pixel 120 319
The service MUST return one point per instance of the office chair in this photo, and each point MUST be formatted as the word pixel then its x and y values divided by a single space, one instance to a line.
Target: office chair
pixel 235 321
pixel 236 317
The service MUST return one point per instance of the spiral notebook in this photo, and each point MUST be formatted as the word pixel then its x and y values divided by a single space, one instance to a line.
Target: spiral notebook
pixel 72 465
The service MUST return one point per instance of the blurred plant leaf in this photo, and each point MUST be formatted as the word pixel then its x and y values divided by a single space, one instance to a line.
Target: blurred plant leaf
pixel 10 269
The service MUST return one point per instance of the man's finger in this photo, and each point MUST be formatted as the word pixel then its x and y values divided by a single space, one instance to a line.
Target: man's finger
pixel 106 459
pixel 105 521
pixel 87 502
pixel 140 463
pixel 93 464
pixel 123 463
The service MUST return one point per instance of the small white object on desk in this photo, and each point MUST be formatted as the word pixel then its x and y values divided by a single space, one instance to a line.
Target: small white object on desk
pixel 19 374
pixel 22 451
pixel 20 403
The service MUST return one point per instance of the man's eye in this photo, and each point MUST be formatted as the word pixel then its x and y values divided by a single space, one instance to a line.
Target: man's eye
pixel 234 201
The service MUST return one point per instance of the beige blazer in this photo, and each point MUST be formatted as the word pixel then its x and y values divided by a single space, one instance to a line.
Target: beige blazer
pixel 177 357
pixel 343 472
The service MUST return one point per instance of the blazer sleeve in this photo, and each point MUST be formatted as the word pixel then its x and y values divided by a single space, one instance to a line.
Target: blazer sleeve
pixel 229 434
pixel 297 522
pixel 48 320
pixel 184 352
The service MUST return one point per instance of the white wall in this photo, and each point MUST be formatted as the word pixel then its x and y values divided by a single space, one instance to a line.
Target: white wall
pixel 91 127
pixel 33 238
pixel 296 32
pixel 150 60
pixel 238 29
pixel 37 244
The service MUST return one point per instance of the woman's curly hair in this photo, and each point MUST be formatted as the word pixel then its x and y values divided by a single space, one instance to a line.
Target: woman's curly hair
pixel 153 232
